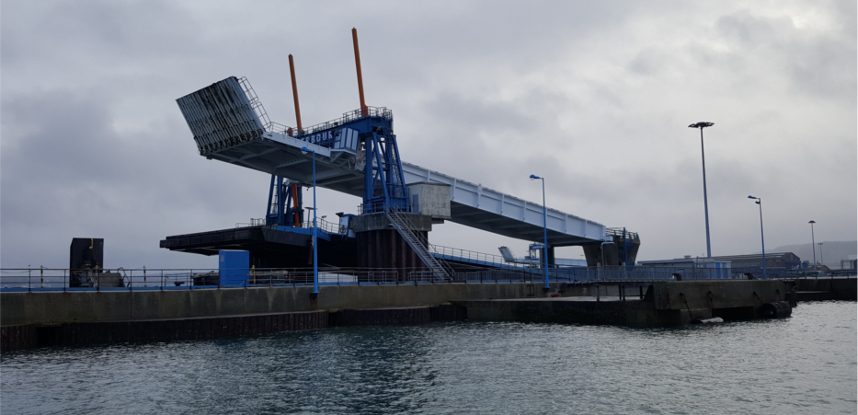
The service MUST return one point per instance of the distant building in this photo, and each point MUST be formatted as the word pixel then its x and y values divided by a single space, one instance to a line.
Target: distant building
pixel 850 263
pixel 784 260
pixel 726 266
pixel 693 267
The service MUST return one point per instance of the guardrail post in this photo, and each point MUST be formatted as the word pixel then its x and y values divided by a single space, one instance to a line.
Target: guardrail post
pixel 162 280
pixel 64 281
pixel 41 276
pixel 144 275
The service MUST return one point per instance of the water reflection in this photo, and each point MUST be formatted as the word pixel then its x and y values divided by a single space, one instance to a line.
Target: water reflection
pixel 806 363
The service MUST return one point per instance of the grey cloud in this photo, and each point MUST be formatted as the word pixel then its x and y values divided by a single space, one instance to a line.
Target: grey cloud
pixel 64 163
pixel 127 29
pixel 594 95
pixel 817 63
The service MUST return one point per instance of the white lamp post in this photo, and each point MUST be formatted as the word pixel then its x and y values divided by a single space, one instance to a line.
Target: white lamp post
pixel 305 149
pixel 759 203
pixel 544 229
pixel 701 125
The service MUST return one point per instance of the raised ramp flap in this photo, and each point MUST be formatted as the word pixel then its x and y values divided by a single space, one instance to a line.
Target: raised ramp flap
pixel 506 253
pixel 223 115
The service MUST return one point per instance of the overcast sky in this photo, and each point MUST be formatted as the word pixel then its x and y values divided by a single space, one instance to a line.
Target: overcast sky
pixel 595 96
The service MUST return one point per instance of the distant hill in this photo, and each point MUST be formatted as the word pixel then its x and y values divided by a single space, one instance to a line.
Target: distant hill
pixel 832 251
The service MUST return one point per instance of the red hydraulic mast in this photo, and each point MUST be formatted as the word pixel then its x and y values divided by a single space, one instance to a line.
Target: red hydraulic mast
pixel 363 109
pixel 295 95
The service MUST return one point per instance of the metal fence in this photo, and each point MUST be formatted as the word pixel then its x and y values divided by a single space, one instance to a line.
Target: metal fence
pixel 476 257
pixel 131 279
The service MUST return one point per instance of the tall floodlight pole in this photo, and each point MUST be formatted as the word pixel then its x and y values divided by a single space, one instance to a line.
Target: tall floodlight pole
pixel 544 229
pixel 315 228
pixel 759 203
pixel 813 241
pixel 701 125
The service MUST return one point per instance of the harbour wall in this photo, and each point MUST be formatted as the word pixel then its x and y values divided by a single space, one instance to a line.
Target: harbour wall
pixel 820 289
pixel 86 317
pixel 34 319
pixel 48 308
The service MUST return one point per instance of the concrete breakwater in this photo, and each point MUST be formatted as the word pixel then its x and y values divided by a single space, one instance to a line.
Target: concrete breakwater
pixel 87 317
pixel 663 304
pixel 826 288
pixel 71 318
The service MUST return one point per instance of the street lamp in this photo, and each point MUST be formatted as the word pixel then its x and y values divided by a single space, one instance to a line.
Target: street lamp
pixel 812 241
pixel 315 294
pixel 701 125
pixel 759 203
pixel 544 229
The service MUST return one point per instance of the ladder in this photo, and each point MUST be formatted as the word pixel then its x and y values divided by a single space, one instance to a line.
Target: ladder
pixel 440 269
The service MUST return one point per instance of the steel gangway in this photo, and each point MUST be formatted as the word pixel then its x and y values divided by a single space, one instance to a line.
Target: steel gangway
pixel 230 124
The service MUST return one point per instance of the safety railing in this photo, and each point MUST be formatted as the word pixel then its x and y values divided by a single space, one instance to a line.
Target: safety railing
pixel 610 232
pixel 476 257
pixel 348 117
pixel 35 279
pixel 329 227
pixel 397 202
pixel 324 225
pixel 253 222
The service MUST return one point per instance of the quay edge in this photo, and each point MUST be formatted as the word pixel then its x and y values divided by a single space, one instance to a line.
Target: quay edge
pixel 80 317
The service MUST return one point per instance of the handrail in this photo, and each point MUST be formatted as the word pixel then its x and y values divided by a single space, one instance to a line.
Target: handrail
pixel 324 225
pixel 621 232
pixel 42 279
pixel 419 244
pixel 348 116
pixel 471 255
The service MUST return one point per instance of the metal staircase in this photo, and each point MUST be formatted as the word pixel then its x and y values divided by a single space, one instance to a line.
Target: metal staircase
pixel 440 269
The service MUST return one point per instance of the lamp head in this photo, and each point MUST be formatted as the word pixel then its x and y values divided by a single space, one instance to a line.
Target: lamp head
pixel 753 197
pixel 534 177
pixel 701 124
pixel 812 221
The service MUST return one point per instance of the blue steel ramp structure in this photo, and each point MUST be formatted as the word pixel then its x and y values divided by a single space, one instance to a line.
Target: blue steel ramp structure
pixel 230 124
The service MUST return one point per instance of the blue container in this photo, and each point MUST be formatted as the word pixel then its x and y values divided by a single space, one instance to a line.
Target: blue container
pixel 234 267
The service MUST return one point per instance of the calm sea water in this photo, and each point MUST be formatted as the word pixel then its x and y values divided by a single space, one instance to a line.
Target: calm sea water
pixel 804 364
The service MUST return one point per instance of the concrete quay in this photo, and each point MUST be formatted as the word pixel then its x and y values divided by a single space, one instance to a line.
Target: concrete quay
pixel 825 288
pixel 662 304
pixel 87 317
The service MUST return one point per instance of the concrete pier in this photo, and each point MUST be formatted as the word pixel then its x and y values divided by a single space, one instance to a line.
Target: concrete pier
pixel 663 304
pixel 85 317
pixel 825 288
